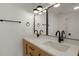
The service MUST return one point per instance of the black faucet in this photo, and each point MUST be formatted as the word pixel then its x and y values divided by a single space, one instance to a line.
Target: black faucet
pixel 61 36
pixel 62 33
pixel 59 40
pixel 40 32
pixel 37 33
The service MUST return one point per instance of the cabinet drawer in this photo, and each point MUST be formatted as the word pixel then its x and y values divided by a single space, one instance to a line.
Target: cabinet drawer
pixel 32 49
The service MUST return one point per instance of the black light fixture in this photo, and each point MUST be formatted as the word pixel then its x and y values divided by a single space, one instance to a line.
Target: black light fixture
pixel 44 10
pixel 35 11
pixel 39 7
pixel 40 13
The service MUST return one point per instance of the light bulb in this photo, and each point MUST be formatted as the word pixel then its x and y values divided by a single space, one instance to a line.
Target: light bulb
pixel 40 13
pixel 75 8
pixel 57 5
pixel 35 11
pixel 44 11
pixel 39 8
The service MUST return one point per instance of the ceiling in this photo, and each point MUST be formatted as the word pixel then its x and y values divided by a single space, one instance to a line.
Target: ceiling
pixel 31 6
pixel 65 8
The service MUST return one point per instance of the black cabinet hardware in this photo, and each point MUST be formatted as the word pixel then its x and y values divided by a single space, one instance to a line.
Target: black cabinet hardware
pixel 10 21
pixel 31 48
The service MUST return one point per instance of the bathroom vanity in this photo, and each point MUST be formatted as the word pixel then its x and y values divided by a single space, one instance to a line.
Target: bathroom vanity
pixel 30 49
pixel 49 46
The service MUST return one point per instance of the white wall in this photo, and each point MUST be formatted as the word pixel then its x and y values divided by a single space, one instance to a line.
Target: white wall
pixel 11 34
pixel 70 22
pixel 53 23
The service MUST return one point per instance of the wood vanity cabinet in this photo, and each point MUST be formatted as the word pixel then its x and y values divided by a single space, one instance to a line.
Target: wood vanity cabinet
pixel 30 49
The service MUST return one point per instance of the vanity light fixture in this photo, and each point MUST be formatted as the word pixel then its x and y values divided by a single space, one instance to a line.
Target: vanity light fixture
pixel 39 7
pixel 57 5
pixel 40 13
pixel 44 11
pixel 75 8
pixel 35 11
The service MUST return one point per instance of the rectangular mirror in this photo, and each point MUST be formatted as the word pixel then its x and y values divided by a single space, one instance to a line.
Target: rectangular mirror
pixel 40 19
pixel 61 18
pixel 64 18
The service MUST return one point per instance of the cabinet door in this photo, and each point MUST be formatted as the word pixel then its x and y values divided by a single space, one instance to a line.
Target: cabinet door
pixel 25 43
pixel 35 51
pixel 30 49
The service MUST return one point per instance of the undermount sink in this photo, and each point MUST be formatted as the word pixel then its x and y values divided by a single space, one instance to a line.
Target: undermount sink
pixel 58 46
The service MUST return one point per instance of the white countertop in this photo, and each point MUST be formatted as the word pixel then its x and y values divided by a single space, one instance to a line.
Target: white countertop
pixel 71 51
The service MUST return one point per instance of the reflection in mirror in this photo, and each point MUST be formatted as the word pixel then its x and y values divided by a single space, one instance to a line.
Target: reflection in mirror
pixel 64 18
pixel 39 20
pixel 53 21
pixel 61 18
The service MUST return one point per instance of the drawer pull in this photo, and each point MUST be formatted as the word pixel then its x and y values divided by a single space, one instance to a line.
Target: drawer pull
pixel 31 48
pixel 39 54
pixel 30 54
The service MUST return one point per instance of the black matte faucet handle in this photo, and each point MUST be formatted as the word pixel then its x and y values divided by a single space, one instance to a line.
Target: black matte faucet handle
pixel 40 32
